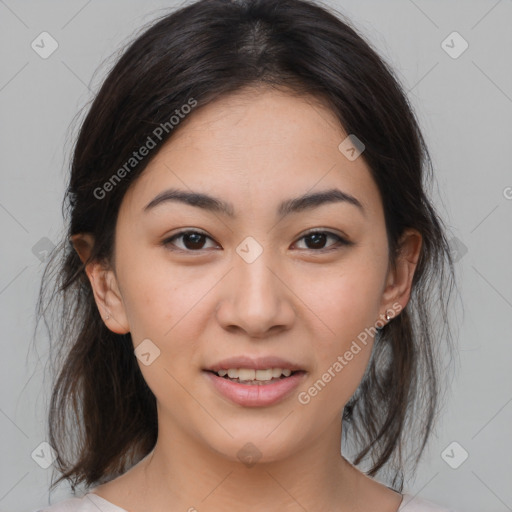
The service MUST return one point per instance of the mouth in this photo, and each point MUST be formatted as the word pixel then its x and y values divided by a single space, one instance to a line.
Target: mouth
pixel 255 382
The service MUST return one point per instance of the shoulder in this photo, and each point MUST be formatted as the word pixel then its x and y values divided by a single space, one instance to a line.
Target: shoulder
pixel 416 504
pixel 88 503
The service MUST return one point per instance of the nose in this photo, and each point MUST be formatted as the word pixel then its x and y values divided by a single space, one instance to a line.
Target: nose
pixel 256 299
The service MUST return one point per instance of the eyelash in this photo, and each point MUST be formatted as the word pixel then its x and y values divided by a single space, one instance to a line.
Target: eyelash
pixel 168 242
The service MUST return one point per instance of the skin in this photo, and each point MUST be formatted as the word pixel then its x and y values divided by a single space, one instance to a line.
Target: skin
pixel 295 300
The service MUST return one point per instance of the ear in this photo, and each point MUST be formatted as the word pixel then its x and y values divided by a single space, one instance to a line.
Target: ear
pixel 399 280
pixel 104 285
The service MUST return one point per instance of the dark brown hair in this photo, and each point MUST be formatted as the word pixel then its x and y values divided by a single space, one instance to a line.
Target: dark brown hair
pixel 203 51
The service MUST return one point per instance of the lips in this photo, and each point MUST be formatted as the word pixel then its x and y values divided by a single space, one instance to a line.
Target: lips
pixel 263 395
pixel 255 394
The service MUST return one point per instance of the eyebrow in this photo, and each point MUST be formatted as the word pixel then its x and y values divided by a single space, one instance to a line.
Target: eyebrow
pixel 295 205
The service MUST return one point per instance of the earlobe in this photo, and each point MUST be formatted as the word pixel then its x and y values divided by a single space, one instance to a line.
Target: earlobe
pixel 399 283
pixel 104 285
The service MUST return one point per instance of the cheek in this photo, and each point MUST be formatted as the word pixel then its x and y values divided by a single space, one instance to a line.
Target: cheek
pixel 160 300
pixel 165 307
pixel 346 301
pixel 348 306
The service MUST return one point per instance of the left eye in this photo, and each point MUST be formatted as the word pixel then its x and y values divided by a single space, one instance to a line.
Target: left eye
pixel 194 241
pixel 318 239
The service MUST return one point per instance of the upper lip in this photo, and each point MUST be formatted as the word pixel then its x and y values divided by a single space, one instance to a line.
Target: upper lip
pixel 254 363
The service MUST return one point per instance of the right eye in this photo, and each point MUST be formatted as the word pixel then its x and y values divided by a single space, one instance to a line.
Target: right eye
pixel 192 241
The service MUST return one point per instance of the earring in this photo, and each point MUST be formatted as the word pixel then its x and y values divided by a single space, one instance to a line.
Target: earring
pixel 388 318
pixel 107 317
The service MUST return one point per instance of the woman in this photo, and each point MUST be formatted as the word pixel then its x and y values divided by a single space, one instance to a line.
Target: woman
pixel 252 263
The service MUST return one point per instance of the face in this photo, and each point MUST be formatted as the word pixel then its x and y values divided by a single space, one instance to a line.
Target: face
pixel 196 285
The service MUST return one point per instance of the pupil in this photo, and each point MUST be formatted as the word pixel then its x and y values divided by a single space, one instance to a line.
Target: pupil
pixel 196 237
pixel 316 238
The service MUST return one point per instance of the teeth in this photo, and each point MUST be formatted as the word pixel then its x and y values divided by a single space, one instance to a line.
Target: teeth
pixel 263 374
pixel 247 374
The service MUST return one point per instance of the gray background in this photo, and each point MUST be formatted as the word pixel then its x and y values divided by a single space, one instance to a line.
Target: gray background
pixel 464 105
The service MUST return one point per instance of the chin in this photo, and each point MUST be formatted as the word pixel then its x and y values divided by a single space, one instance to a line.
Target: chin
pixel 258 443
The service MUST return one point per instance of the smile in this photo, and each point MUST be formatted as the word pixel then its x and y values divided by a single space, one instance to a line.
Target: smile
pixel 246 389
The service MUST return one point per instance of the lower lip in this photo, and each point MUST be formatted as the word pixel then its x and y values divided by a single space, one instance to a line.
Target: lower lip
pixel 256 395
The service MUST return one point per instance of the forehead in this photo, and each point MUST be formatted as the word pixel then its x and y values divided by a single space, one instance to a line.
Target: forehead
pixel 256 146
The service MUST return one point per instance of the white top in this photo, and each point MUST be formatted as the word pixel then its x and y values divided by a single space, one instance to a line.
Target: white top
pixel 94 503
